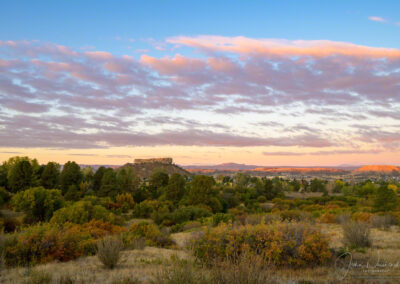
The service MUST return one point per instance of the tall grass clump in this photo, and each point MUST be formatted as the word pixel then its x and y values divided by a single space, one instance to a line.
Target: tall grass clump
pixel 356 234
pixel 181 272
pixel 246 268
pixel 40 277
pixel 109 251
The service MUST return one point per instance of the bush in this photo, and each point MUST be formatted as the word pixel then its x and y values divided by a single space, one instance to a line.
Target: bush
pixel 82 212
pixel 328 218
pixel 343 218
pixel 125 200
pixel 144 209
pixel 180 215
pixel 47 242
pixel 108 251
pixel 9 224
pixel 149 232
pixel 293 244
pixel 38 203
pixel 221 218
pixel 356 234
pixel 383 221
pixel 362 217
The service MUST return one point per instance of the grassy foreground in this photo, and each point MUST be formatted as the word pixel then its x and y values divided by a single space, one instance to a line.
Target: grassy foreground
pixel 161 265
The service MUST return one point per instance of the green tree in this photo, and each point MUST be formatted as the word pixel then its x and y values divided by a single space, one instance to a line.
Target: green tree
pixel 71 175
pixel 109 185
pixel 317 185
pixel 50 175
pixel 271 188
pixel 3 176
pixel 97 178
pixel 20 176
pixel 386 199
pixel 38 203
pixel 202 192
pixel 158 180
pixel 128 181
pixel 175 189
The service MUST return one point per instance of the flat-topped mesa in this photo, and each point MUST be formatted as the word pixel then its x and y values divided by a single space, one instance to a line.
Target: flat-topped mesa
pixel 166 161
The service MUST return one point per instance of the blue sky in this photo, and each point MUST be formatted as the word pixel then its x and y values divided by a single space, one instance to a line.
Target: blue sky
pixel 99 23
pixel 258 82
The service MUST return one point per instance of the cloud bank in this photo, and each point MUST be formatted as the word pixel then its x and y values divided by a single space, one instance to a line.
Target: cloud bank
pixel 212 91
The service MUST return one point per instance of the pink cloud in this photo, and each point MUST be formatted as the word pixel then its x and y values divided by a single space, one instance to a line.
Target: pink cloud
pixel 99 55
pixel 279 47
pixel 377 19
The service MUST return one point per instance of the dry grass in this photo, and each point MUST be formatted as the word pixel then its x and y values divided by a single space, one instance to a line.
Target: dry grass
pixel 143 266
pixel 139 265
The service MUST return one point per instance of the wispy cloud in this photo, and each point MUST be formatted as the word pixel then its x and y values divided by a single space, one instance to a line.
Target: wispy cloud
pixel 377 19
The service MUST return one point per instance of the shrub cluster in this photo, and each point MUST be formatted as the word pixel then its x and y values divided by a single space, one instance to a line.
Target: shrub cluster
pixel 47 242
pixel 82 212
pixel 149 232
pixel 278 243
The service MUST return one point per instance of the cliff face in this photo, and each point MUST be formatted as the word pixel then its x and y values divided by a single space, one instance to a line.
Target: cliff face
pixel 167 161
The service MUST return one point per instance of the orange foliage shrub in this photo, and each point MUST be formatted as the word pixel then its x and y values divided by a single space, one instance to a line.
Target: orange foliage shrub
pixel 292 244
pixel 48 242
pixel 362 217
pixel 328 218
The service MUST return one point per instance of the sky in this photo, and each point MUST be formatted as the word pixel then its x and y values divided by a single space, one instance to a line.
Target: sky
pixel 273 83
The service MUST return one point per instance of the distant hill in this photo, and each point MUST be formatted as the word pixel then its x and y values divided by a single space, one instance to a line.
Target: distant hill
pixel 221 167
pixel 377 169
pixel 145 170
pixel 301 170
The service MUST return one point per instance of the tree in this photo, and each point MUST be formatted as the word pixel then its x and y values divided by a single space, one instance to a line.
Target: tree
pixel 97 178
pixel 20 176
pixel 202 192
pixel 339 184
pixel 175 189
pixel 127 180
pixel 317 185
pixel 158 180
pixel 109 185
pixel 38 203
pixel 386 199
pixel 271 188
pixel 3 176
pixel 50 175
pixel 70 175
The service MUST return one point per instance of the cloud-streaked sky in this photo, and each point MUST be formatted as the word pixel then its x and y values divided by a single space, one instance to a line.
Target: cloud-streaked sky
pixel 269 82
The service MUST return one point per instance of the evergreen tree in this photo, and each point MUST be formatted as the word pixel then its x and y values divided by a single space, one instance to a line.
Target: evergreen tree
pixel 386 199
pixel 97 178
pixel 70 175
pixel 109 185
pixel 20 176
pixel 127 180
pixel 50 175
pixel 175 189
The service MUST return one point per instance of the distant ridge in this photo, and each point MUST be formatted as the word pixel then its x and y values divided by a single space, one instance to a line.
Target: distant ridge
pixel 378 168
pixel 224 166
